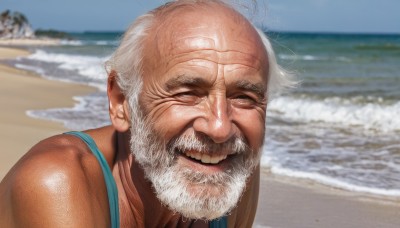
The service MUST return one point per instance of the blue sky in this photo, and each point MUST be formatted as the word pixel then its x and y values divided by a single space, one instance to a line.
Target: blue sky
pixel 371 16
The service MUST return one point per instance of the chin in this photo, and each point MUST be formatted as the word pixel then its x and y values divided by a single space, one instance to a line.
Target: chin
pixel 196 195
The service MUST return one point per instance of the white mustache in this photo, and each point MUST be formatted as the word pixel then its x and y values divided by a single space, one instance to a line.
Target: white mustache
pixel 203 144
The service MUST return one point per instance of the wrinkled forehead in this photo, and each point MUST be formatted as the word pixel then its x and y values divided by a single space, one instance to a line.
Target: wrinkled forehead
pixel 217 29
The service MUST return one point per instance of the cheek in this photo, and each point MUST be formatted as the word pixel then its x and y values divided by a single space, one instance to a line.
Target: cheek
pixel 251 124
pixel 174 120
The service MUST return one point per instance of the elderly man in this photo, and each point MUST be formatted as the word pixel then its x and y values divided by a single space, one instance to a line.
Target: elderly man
pixel 187 92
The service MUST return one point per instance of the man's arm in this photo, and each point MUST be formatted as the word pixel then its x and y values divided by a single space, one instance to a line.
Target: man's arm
pixel 54 186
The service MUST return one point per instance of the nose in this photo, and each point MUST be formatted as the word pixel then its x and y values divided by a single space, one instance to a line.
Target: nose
pixel 216 123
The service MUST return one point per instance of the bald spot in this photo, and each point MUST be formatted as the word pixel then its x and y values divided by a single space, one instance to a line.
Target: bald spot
pixel 212 26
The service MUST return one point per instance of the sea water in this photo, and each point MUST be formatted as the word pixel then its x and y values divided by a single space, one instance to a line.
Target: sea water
pixel 341 127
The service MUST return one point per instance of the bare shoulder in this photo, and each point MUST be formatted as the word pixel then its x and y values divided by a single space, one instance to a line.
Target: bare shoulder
pixel 58 183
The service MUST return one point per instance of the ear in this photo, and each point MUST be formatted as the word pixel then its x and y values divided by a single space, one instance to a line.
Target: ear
pixel 118 105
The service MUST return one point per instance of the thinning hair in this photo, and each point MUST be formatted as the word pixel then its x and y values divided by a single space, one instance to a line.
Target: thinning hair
pixel 127 60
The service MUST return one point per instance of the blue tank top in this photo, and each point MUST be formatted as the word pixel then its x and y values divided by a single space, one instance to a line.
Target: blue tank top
pixel 112 191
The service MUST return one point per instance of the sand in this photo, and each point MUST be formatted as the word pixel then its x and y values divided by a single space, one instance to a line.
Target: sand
pixel 288 202
pixel 284 202
pixel 32 41
pixel 21 91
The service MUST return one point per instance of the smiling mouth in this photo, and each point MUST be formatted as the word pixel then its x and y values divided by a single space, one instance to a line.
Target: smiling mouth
pixel 204 158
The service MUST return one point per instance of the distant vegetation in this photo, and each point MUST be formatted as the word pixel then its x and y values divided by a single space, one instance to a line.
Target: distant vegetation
pixel 52 33
pixel 14 25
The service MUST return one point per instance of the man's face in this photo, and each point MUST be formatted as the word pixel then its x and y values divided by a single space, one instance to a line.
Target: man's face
pixel 203 99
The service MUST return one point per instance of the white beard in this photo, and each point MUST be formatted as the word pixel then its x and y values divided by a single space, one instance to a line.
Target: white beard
pixel 191 193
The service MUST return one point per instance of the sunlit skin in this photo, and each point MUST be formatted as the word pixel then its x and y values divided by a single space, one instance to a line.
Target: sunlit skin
pixel 202 74
pixel 206 77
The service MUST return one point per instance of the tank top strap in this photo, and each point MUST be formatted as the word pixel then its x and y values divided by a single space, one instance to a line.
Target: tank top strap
pixel 219 223
pixel 112 191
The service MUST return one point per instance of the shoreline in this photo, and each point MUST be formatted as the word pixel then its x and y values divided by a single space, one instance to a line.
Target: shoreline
pixel 22 91
pixel 283 202
pixel 29 42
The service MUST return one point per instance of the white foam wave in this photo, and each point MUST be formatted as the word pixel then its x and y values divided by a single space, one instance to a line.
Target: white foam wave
pixel 326 180
pixel 338 111
pixel 35 69
pixel 298 57
pixel 89 66
pixel 88 42
pixel 312 58
pixel 102 42
pixel 88 112
pixel 71 42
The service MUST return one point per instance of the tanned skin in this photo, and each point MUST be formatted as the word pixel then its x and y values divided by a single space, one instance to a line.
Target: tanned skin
pixel 59 183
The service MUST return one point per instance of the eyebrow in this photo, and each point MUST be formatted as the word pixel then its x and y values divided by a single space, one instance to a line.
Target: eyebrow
pixel 257 88
pixel 185 80
pixel 190 81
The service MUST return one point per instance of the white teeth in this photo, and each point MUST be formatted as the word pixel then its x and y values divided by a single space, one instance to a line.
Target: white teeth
pixel 205 158
pixel 215 159
pixel 197 156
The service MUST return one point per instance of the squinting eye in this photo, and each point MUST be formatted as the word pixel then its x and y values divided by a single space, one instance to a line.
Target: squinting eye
pixel 243 100
pixel 187 97
pixel 185 94
pixel 245 97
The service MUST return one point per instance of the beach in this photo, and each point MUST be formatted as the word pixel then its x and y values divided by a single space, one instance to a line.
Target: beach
pixel 22 91
pixel 30 42
pixel 284 201
pixel 288 202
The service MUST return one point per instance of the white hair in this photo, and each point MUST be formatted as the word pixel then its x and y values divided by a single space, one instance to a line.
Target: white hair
pixel 279 79
pixel 126 61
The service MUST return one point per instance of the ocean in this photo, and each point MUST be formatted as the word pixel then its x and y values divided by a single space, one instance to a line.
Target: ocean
pixel 340 127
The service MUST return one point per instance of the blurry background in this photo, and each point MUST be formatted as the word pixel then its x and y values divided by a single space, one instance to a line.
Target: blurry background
pixel 340 128
pixel 354 16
